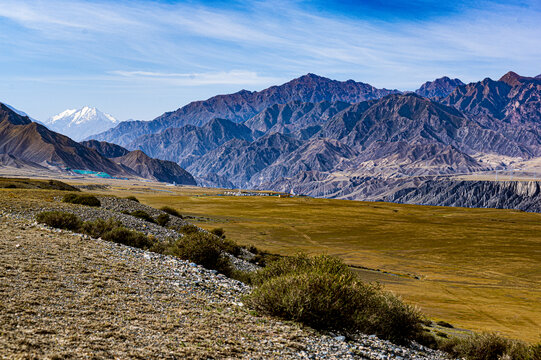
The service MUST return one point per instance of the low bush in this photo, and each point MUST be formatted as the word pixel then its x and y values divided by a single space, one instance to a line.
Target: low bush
pixel 444 324
pixel 203 249
pixel 488 347
pixel 163 219
pixel 220 232
pixel 132 198
pixel 231 247
pixel 322 292
pixel 536 351
pixel 60 220
pixel 188 229
pixel 171 211
pixel 82 199
pixel 122 235
pixel 99 227
pixel 143 215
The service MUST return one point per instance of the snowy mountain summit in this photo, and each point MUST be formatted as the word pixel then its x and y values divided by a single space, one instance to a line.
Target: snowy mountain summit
pixel 81 123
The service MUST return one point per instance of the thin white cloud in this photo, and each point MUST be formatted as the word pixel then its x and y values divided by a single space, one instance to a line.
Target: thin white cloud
pixel 190 79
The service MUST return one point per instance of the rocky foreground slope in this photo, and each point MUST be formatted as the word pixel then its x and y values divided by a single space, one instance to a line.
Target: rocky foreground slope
pixel 64 295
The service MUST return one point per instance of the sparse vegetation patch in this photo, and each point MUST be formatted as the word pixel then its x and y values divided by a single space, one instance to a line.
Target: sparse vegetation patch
pixel 490 346
pixel 171 211
pixel 322 292
pixel 82 199
pixel 163 219
pixel 60 220
pixel 142 215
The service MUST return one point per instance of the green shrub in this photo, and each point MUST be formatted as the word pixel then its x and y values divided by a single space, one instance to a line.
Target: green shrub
pixel 163 219
pixel 82 199
pixel 122 235
pixel 442 334
pixel 220 232
pixel 143 215
pixel 188 229
pixel 171 211
pixel 535 350
pixel 203 249
pixel 427 339
pixel 322 292
pixel 487 347
pixel 241 275
pixel 231 247
pixel 132 198
pixel 444 324
pixel 60 220
pixel 99 227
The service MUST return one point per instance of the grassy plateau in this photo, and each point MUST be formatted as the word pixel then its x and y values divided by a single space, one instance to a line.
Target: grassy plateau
pixel 478 269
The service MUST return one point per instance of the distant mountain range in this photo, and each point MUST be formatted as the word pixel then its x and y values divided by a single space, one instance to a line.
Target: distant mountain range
pixel 244 104
pixel 29 145
pixel 323 137
pixel 347 139
pixel 81 123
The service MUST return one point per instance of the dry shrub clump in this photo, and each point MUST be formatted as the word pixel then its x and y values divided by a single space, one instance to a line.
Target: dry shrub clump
pixel 163 219
pixel 110 230
pixel 143 215
pixel 82 199
pixel 323 293
pixel 491 346
pixel 188 229
pixel 60 220
pixel 201 248
pixel 171 211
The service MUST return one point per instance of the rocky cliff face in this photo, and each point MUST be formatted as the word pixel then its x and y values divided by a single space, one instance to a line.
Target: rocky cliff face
pixel 238 160
pixel 520 195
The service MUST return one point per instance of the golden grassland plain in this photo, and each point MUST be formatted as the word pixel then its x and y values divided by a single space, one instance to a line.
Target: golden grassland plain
pixel 479 269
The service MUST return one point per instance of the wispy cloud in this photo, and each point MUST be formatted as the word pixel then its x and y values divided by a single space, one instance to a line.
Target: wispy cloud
pixel 125 44
pixel 237 77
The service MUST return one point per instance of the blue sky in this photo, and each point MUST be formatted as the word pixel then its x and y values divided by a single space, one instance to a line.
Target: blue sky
pixel 138 59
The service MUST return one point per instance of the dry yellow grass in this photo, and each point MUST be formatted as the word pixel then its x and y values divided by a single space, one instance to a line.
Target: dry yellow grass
pixel 479 269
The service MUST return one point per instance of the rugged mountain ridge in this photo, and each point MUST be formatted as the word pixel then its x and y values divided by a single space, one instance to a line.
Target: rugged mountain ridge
pixel 155 169
pixel 105 149
pixel 245 104
pixel 439 88
pixel 142 164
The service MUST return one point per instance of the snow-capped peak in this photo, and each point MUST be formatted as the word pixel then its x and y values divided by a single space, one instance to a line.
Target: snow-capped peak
pixel 62 115
pixel 80 123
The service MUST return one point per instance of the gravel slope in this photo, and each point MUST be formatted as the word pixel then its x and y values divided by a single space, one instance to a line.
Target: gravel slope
pixel 64 295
